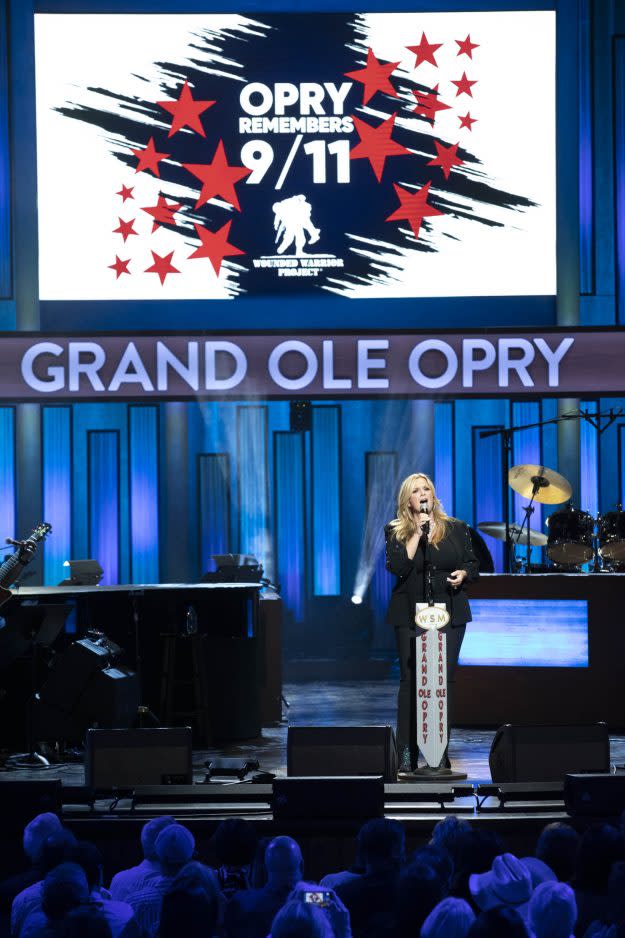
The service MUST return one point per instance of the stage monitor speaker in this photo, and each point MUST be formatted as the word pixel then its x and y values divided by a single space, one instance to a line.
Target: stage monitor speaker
pixel 532 753
pixel 342 750
pixel 23 800
pixel 336 797
pixel 126 758
pixel 594 795
pixel 72 672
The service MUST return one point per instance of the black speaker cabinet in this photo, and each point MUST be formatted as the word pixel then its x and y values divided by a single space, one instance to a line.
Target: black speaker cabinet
pixel 126 758
pixel 345 798
pixel 342 750
pixel 530 753
pixel 594 795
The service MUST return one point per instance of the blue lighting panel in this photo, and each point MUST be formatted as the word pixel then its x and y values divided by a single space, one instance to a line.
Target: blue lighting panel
pixel 380 467
pixel 586 233
pixel 214 499
pixel 488 504
pixel 290 519
pixel 621 463
pixel 619 170
pixel 589 462
pixel 57 490
pixel 103 448
pixel 144 516
pixel 253 483
pixel 5 165
pixel 530 633
pixel 326 508
pixel 7 473
pixel 444 454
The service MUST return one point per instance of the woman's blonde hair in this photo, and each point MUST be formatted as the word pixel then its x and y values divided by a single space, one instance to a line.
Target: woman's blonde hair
pixel 404 525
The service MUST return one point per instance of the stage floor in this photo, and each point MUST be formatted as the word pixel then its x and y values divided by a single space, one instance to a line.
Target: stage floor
pixel 327 703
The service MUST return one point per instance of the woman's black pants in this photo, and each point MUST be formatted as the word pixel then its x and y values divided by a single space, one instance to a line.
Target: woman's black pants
pixel 406 698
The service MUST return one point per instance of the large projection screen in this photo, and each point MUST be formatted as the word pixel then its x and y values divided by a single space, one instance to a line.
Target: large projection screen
pixel 365 156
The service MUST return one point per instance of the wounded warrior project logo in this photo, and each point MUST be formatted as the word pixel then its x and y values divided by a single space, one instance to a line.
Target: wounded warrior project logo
pixel 368 155
pixel 294 229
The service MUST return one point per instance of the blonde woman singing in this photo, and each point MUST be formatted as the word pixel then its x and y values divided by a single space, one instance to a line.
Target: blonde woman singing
pixel 448 550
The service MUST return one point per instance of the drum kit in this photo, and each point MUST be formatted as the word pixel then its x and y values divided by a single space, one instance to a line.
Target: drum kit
pixel 574 537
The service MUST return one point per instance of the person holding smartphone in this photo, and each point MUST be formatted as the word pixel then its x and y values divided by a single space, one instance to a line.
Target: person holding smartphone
pixel 423 535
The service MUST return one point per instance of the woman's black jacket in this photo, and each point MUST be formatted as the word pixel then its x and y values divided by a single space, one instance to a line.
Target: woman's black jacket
pixel 454 552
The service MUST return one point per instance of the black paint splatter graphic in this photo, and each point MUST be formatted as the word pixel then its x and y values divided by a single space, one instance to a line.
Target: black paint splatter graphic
pixel 298 48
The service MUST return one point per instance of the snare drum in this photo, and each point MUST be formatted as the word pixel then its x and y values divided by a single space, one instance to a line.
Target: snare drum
pixel 569 540
pixel 611 528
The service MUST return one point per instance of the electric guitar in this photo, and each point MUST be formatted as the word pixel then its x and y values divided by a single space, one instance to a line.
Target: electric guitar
pixel 13 566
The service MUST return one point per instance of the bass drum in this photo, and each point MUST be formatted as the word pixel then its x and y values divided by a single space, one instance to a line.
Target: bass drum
pixel 569 541
pixel 611 527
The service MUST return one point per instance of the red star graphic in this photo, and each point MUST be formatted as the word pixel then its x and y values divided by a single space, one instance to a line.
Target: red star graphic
pixel 162 212
pixel 215 245
pixel 425 51
pixel 464 85
pixel 120 267
pixel 446 158
pixel 413 207
pixel 218 177
pixel 466 47
pixel 428 104
pixel 149 158
pixel 125 192
pixel 125 228
pixel 375 77
pixel 376 144
pixel 186 111
pixel 467 120
pixel 162 266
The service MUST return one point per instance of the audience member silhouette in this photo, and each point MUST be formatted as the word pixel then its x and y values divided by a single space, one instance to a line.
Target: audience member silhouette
pixel 55 850
pixel 371 898
pixel 600 847
pixel 134 879
pixel 439 860
pixel 192 907
pixel 250 912
pixel 419 892
pixel 297 919
pixel 119 915
pixel 557 846
pixel 174 849
pixel 233 848
pixel 507 884
pixel 475 852
pixel 64 888
pixel 451 918
pixel 36 833
pixel 552 911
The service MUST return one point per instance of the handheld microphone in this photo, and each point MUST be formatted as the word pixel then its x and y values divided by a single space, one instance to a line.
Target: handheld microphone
pixel 423 507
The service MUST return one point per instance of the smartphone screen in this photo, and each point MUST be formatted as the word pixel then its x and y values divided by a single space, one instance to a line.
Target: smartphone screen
pixel 317 897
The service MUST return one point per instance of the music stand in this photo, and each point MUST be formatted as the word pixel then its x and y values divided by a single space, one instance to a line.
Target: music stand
pixel 31 626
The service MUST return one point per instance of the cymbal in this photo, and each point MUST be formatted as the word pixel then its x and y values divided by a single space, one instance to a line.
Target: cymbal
pixel 552 487
pixel 497 529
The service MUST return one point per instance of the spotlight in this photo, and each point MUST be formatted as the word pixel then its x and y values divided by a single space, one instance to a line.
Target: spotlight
pixel 356 599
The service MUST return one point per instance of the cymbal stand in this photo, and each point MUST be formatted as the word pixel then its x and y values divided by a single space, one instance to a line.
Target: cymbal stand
pixel 537 483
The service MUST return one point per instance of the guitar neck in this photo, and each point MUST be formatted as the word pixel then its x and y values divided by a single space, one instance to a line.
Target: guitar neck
pixel 9 570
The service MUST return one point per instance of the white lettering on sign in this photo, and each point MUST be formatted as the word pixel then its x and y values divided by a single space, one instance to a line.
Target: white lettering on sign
pixel 159 365
pixel 309 97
